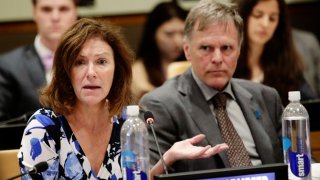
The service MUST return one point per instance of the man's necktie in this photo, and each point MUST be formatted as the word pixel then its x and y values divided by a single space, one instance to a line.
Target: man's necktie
pixel 237 153
pixel 47 62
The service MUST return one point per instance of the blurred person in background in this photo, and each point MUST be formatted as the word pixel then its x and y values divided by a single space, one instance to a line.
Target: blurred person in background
pixel 308 46
pixel 161 44
pixel 26 69
pixel 268 54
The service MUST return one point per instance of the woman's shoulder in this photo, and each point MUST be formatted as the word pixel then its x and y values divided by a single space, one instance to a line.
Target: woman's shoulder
pixel 44 121
pixel 45 117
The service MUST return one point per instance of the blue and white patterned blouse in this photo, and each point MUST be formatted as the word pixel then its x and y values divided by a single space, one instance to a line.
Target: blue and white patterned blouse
pixel 48 137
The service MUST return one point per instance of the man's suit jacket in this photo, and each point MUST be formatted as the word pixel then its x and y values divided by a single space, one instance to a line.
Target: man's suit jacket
pixel 21 76
pixel 308 46
pixel 182 112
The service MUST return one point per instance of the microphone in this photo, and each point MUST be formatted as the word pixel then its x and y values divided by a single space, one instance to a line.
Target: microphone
pixel 15 120
pixel 22 118
pixel 149 118
pixel 38 168
pixel 141 110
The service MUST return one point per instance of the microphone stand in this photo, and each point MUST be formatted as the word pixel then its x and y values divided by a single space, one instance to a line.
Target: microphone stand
pixel 149 118
pixel 161 157
pixel 38 168
pixel 20 175
pixel 16 119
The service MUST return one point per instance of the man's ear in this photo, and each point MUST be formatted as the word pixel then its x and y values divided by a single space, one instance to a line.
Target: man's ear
pixel 186 48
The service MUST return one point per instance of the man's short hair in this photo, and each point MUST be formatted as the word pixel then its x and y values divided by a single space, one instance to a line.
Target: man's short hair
pixel 208 11
pixel 34 2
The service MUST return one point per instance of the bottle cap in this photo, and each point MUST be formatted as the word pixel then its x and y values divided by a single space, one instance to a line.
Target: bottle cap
pixel 294 95
pixel 133 110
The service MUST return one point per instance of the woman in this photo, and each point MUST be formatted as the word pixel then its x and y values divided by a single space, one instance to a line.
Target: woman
pixel 268 55
pixel 161 44
pixel 79 136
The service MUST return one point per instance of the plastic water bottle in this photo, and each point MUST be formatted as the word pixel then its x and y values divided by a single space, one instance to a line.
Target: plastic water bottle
pixel 134 146
pixel 296 138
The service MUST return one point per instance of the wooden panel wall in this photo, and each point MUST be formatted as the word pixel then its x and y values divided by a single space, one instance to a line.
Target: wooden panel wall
pixel 13 34
pixel 304 15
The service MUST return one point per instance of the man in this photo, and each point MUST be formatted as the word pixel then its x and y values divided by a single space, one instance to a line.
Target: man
pixel 308 46
pixel 183 106
pixel 26 69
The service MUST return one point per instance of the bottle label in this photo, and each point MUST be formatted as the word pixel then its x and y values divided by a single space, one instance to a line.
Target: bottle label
pixel 131 174
pixel 299 161
pixel 299 164
pixel 130 167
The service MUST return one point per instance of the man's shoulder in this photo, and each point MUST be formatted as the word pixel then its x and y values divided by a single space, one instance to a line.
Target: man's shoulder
pixel 169 85
pixel 252 86
pixel 20 52
pixel 16 57
pixel 303 34
pixel 167 90
pixel 304 38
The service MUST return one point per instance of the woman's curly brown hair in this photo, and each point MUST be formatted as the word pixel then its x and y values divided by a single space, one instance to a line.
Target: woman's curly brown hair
pixel 59 94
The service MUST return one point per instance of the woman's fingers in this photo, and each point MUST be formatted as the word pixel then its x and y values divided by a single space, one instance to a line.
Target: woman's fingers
pixel 196 139
pixel 215 150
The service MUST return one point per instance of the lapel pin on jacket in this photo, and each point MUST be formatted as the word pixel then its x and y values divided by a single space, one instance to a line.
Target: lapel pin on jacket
pixel 257 114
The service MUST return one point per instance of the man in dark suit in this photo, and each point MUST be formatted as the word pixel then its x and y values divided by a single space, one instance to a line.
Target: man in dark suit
pixel 183 106
pixel 308 46
pixel 23 71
